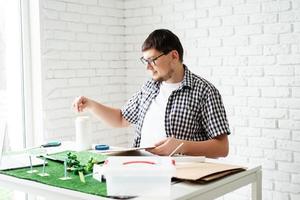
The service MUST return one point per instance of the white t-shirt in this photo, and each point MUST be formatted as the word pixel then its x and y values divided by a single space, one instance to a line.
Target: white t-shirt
pixel 153 129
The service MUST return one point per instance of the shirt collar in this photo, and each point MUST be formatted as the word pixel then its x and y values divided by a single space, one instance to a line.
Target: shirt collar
pixel 187 79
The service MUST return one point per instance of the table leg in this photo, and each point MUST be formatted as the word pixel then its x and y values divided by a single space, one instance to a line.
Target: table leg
pixel 257 187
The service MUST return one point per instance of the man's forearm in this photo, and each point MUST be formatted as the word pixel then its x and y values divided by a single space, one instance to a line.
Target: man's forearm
pixel 216 147
pixel 110 115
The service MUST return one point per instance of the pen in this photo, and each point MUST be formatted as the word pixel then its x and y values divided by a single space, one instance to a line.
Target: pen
pixel 174 151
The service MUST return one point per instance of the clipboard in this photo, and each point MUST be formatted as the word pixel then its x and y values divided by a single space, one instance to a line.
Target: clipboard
pixel 119 150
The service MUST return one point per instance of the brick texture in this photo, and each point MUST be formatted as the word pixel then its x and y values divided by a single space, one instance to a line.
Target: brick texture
pixel 249 49
pixel 83 53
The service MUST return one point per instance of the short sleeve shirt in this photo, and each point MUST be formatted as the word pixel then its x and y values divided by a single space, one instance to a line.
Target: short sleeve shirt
pixel 194 111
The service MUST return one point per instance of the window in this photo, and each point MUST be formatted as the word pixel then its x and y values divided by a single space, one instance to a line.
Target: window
pixel 12 82
pixel 19 68
pixel 16 67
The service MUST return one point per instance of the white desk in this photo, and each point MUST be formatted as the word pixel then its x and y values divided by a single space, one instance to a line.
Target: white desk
pixel 182 190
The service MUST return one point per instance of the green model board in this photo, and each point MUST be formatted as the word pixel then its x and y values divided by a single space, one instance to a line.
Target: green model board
pixel 56 171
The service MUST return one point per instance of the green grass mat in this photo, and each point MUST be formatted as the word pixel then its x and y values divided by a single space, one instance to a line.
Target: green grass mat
pixel 56 170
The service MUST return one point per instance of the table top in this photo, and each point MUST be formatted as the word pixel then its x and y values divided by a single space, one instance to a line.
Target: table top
pixel 179 190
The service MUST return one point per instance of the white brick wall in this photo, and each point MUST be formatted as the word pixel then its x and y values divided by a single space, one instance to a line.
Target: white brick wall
pixel 82 54
pixel 248 48
pixel 250 51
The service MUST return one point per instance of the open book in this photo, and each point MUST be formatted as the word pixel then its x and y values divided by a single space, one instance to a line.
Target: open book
pixel 205 171
pixel 13 160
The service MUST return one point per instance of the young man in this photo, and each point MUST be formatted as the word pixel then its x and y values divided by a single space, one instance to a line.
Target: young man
pixel 175 107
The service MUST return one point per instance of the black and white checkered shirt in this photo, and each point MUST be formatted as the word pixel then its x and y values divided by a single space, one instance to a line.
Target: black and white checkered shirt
pixel 194 111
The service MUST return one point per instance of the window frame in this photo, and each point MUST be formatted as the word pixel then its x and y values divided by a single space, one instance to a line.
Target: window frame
pixel 32 72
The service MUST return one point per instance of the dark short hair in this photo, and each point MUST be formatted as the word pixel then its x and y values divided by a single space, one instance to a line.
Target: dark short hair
pixel 164 41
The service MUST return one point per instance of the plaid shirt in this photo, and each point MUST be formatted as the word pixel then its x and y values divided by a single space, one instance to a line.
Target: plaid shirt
pixel 194 111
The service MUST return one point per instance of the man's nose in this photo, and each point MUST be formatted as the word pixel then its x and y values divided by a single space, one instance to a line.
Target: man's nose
pixel 149 66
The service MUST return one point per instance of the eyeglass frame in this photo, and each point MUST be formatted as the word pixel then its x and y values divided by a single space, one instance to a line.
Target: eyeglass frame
pixel 152 61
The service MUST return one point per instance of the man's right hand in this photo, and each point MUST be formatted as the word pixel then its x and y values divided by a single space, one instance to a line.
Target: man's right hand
pixel 110 115
pixel 80 103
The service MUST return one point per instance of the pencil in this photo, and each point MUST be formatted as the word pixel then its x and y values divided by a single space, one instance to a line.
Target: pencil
pixel 176 149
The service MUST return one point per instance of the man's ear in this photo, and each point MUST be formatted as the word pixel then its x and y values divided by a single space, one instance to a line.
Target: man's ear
pixel 175 54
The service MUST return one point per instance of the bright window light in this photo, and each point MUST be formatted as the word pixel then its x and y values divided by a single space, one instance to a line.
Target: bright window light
pixel 14 78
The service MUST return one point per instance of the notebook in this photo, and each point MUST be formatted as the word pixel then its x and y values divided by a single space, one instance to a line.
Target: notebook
pixel 14 161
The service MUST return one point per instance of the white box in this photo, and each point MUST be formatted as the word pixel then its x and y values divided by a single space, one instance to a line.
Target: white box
pixel 138 175
pixel 98 172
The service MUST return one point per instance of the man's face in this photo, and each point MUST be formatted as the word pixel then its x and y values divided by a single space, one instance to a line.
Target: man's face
pixel 159 65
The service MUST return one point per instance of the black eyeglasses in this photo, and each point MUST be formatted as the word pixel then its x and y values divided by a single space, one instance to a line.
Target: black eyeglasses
pixel 151 61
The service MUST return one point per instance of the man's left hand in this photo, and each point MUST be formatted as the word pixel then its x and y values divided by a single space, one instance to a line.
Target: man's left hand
pixel 166 146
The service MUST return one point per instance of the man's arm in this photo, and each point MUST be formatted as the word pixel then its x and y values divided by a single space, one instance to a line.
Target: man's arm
pixel 111 116
pixel 216 147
